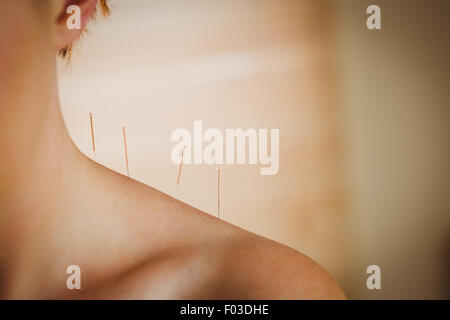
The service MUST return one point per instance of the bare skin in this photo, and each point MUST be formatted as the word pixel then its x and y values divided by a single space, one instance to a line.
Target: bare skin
pixel 59 208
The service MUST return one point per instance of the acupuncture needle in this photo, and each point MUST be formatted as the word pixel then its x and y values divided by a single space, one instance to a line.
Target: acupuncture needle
pixel 92 133
pixel 181 165
pixel 218 193
pixel 126 152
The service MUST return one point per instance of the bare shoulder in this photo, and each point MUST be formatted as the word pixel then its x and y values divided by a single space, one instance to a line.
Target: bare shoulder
pixel 192 255
pixel 258 268
pixel 216 260
pixel 225 262
pixel 175 251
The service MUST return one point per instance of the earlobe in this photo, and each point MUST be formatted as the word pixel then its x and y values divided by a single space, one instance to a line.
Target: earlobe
pixel 71 20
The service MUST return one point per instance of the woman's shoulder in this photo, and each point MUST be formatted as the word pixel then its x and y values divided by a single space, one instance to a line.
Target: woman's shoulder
pixel 188 254
pixel 255 267
pixel 226 262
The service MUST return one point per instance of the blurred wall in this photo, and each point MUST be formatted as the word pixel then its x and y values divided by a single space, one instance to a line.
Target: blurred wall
pixel 396 107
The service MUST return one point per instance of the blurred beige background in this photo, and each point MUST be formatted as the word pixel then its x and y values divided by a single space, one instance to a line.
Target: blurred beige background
pixel 395 101
pixel 364 173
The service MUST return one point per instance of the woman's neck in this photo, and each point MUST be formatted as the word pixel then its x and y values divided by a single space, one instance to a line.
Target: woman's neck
pixel 36 158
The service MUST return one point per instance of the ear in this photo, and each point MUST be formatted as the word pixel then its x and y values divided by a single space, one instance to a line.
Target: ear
pixel 71 20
